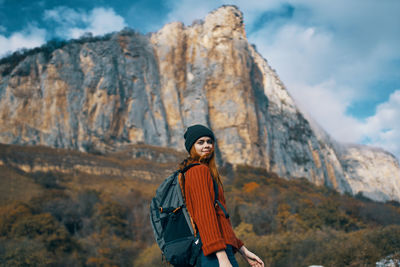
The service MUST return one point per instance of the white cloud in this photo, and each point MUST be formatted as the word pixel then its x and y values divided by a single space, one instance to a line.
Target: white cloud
pixel 74 23
pixel 69 23
pixel 383 129
pixel 328 108
pixel 296 52
pixel 28 38
pixel 185 12
pixel 345 43
pixel 65 16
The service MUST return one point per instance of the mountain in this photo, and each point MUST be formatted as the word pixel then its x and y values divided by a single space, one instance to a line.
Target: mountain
pixel 104 94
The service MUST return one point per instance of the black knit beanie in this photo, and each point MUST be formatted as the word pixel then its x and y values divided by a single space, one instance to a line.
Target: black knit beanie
pixel 194 132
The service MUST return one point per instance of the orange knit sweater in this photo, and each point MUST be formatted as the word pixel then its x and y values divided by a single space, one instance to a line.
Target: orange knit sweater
pixel 215 230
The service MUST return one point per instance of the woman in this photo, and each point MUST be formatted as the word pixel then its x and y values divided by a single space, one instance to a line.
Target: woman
pixel 215 229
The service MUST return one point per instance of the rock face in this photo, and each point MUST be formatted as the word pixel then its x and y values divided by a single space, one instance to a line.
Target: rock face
pixel 130 89
pixel 372 172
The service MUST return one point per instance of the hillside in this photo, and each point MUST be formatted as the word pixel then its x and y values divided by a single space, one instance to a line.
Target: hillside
pixel 69 216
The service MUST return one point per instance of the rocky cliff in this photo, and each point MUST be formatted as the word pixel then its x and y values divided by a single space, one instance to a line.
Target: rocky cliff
pixel 127 88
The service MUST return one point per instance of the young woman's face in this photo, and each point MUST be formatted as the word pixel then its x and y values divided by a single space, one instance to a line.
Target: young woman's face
pixel 204 145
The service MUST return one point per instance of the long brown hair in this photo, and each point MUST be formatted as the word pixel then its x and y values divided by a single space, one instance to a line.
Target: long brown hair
pixel 208 160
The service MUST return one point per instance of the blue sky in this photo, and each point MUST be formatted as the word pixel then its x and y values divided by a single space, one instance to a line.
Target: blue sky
pixel 339 59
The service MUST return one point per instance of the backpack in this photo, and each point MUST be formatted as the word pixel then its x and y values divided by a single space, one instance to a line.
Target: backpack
pixel 172 226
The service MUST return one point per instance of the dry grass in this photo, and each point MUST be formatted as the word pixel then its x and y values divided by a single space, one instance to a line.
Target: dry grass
pixel 116 186
pixel 16 187
pixel 68 159
pixel 133 174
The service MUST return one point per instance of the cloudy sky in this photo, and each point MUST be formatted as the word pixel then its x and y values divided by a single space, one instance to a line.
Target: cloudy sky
pixel 339 59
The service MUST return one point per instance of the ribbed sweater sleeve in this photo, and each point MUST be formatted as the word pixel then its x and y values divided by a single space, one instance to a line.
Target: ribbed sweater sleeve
pixel 200 201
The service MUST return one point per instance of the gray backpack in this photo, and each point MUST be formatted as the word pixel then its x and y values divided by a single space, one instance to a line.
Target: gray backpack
pixel 172 225
pixel 171 222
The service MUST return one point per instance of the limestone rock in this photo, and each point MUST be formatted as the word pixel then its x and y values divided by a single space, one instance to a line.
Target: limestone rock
pixel 372 172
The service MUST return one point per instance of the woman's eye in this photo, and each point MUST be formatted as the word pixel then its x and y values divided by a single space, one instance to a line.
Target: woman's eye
pixel 209 142
pixel 200 142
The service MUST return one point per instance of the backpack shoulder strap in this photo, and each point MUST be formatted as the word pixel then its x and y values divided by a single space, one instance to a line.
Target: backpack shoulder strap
pixel 188 167
pixel 182 179
pixel 217 202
